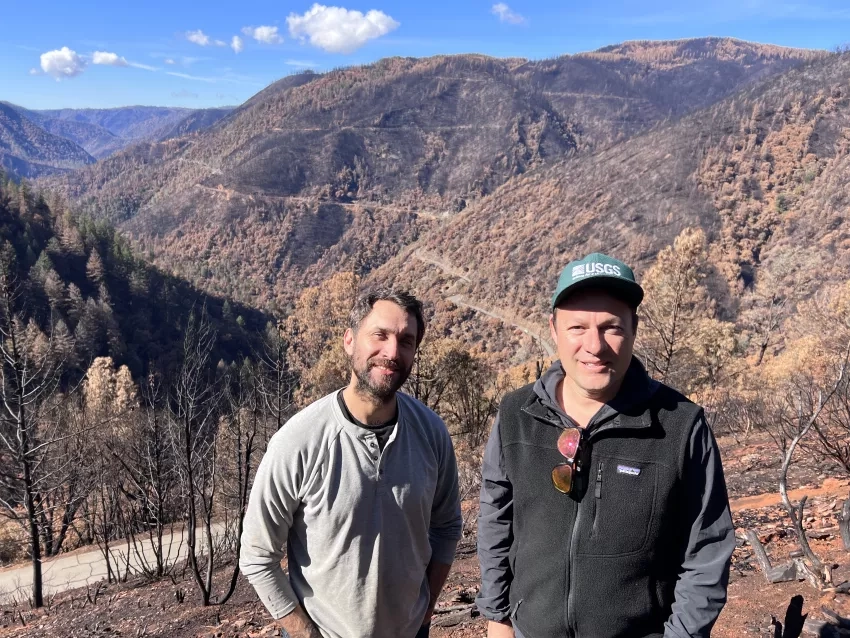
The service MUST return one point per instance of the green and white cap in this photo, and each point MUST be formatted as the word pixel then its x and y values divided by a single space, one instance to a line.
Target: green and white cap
pixel 598 271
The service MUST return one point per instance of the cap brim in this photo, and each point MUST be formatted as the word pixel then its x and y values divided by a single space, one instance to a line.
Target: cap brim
pixel 628 291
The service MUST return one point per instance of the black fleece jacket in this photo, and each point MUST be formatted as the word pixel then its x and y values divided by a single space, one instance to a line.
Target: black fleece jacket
pixel 641 549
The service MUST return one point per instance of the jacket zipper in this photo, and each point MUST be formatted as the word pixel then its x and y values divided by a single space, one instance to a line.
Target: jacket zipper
pixel 571 562
pixel 572 554
pixel 598 494
pixel 571 567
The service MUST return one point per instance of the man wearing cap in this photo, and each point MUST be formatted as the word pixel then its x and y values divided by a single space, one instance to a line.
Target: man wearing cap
pixel 604 511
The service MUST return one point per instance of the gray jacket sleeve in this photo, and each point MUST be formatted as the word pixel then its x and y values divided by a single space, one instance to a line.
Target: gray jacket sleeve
pixel 268 518
pixel 701 590
pixel 446 527
pixel 495 532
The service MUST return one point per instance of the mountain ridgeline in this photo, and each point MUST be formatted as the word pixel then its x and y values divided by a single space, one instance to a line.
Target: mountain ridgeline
pixel 761 172
pixel 345 170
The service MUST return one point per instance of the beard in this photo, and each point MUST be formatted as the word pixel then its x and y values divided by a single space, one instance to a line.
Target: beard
pixel 384 388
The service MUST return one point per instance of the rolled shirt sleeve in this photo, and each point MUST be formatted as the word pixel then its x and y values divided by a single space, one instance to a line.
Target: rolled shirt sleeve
pixel 446 524
pixel 700 592
pixel 495 532
pixel 268 518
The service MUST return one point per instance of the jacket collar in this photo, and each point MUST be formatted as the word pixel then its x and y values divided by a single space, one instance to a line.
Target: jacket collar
pixel 626 410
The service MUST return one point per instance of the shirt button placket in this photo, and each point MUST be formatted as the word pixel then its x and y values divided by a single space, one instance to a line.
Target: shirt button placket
pixel 373 454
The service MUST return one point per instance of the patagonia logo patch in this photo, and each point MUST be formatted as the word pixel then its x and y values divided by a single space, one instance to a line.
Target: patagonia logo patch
pixel 625 469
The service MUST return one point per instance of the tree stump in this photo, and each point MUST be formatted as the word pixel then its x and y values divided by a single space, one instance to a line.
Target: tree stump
pixel 774 574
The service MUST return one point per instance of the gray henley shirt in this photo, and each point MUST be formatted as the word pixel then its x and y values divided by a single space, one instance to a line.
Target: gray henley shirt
pixel 360 525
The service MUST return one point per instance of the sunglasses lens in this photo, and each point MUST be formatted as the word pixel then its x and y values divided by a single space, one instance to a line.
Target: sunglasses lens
pixel 562 477
pixel 568 442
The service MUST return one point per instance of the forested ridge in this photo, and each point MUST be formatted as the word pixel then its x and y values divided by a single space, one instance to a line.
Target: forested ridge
pixel 78 283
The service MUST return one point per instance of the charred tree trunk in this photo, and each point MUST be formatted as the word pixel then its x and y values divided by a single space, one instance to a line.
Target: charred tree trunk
pixel 844 524
pixel 35 540
pixel 244 461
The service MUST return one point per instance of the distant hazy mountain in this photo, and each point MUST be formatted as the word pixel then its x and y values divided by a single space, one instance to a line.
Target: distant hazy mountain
pixel 96 140
pixel 102 132
pixel 27 150
pixel 128 122
pixel 195 121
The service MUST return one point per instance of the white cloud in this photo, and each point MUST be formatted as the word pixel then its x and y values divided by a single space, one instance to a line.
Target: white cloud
pixel 338 30
pixel 236 44
pixel 266 35
pixel 139 65
pixel 169 61
pixel 506 14
pixel 35 71
pixel 202 39
pixel 302 64
pixel 108 59
pixel 62 63
pixel 198 37
pixel 197 78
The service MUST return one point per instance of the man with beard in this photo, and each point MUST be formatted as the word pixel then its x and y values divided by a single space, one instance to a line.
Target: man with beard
pixel 362 488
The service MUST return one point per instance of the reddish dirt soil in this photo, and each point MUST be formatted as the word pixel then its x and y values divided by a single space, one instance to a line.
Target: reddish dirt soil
pixel 152 609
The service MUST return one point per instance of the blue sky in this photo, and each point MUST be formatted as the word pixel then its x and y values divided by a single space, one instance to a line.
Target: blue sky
pixel 179 53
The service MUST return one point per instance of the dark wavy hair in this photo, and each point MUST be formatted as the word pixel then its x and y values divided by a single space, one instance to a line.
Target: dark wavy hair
pixel 367 300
